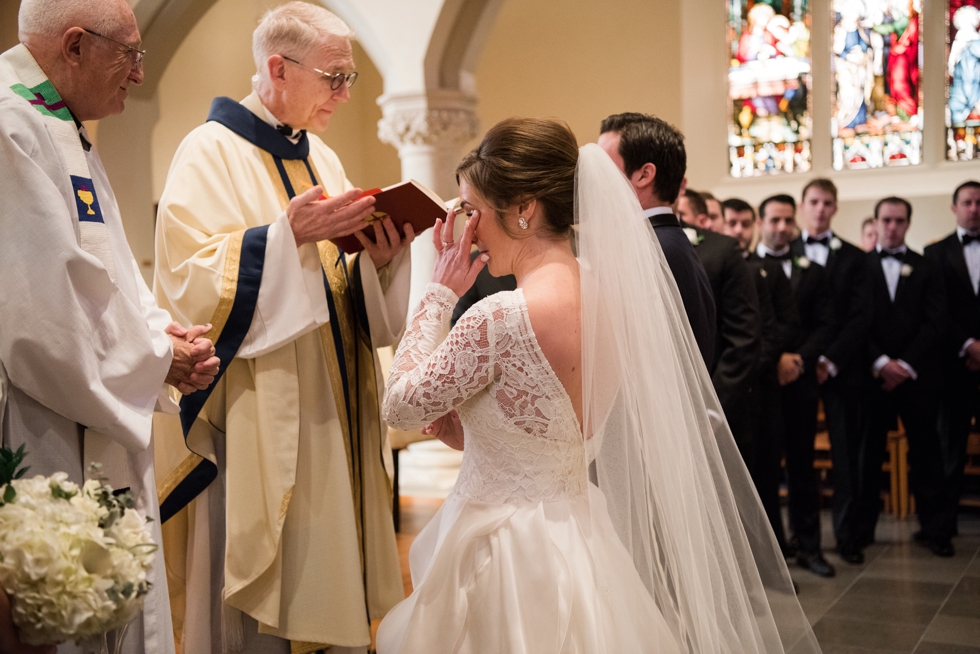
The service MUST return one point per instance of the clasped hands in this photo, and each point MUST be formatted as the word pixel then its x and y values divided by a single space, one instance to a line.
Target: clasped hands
pixel 194 364
pixel 313 219
pixel 972 356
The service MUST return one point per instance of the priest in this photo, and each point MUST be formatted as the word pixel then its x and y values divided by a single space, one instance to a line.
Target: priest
pixel 84 348
pixel 276 494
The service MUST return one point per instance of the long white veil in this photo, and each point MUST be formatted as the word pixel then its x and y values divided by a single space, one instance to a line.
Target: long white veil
pixel 676 488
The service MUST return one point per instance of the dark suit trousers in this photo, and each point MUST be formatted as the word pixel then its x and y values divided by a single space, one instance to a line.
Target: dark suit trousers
pixel 918 406
pixel 800 415
pixel 768 455
pixel 843 405
pixel 960 402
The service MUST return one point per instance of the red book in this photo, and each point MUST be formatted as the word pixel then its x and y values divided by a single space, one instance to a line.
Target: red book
pixel 407 202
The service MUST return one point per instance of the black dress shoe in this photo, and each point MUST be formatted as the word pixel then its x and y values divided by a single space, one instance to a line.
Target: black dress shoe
pixel 942 547
pixel 815 563
pixel 920 537
pixel 851 554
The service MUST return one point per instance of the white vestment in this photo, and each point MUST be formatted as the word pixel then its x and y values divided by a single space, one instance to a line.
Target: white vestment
pixel 85 356
pixel 284 534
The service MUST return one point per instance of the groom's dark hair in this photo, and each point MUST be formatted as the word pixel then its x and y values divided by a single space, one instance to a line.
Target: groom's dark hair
pixel 648 139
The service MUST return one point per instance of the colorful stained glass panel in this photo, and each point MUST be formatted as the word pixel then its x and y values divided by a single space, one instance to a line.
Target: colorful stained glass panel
pixel 769 87
pixel 962 80
pixel 877 101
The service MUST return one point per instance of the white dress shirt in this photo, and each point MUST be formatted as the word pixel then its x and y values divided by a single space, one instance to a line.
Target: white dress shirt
pixel 971 253
pixel 762 251
pixel 816 252
pixel 657 211
pixel 892 268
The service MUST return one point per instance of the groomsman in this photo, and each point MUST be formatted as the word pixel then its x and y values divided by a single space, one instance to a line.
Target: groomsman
pixel 797 374
pixel 780 324
pixel 739 319
pixel 839 367
pixel 651 154
pixel 903 375
pixel 958 258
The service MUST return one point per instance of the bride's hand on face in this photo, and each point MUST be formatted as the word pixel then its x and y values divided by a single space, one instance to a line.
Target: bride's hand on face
pixel 454 269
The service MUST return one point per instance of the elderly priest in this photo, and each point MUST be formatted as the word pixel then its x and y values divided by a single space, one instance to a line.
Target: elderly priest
pixel 84 349
pixel 288 544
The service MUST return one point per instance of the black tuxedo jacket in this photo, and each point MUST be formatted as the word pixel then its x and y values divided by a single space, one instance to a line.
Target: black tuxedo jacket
pixel 850 297
pixel 963 305
pixel 910 328
pixel 815 315
pixel 692 282
pixel 780 319
pixel 738 321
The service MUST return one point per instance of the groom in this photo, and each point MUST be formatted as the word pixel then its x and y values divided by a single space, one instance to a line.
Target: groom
pixel 656 175
pixel 651 153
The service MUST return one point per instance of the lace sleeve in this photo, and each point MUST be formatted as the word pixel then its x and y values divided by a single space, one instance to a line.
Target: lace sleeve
pixel 427 379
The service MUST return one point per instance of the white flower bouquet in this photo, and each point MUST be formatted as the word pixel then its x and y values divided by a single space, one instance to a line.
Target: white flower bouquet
pixel 74 560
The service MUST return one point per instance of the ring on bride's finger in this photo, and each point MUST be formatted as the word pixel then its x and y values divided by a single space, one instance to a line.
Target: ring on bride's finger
pixel 447 244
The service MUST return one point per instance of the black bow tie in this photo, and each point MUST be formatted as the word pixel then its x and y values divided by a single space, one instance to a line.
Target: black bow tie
pixel 898 256
pixel 825 241
pixel 286 131
pixel 779 257
pixel 967 238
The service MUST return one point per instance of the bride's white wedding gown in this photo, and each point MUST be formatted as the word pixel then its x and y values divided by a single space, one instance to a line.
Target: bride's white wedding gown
pixel 522 557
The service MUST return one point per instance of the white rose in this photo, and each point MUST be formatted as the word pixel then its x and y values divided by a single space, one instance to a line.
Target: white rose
pixel 835 243
pixel 906 270
pixel 692 235
pixel 803 263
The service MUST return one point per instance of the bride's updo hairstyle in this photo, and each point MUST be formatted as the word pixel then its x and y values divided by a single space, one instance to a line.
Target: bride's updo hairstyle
pixel 524 159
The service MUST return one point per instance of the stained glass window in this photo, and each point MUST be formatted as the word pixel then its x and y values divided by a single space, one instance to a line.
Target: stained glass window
pixel 877 101
pixel 769 86
pixel 962 80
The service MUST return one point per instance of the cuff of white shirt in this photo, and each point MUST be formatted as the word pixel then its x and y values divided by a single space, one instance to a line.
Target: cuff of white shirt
pixel 879 363
pixel 831 368
pixel 966 345
pixel 909 369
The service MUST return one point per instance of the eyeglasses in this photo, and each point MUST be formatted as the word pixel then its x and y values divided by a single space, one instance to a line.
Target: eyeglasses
pixel 137 55
pixel 335 79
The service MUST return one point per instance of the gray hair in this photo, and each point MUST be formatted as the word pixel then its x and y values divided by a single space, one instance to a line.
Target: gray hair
pixel 51 18
pixel 292 30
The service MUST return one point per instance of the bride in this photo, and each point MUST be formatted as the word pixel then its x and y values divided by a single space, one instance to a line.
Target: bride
pixel 587 372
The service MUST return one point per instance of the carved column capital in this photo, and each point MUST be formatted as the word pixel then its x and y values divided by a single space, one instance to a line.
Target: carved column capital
pixel 415 120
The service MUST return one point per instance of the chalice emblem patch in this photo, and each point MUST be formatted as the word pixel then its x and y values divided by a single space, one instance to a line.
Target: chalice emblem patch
pixel 86 200
pixel 86 196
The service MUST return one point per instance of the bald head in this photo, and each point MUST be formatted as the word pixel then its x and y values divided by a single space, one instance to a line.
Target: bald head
pixel 87 48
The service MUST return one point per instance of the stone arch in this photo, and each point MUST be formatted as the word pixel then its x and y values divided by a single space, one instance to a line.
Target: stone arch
pixel 457 42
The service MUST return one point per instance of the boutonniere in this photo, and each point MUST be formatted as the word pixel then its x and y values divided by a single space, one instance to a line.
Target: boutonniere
pixel 802 263
pixel 693 236
pixel 906 270
pixel 835 243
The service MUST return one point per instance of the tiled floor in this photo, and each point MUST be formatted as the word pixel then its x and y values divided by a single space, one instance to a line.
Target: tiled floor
pixel 902 599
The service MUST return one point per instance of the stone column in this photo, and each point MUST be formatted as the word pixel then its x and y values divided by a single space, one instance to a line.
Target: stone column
pixel 429 131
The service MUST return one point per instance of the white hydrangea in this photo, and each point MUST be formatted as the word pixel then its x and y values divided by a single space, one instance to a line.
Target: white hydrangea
pixel 74 560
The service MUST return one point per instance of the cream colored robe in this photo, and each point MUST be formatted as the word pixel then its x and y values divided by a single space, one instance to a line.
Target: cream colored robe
pixel 85 356
pixel 291 556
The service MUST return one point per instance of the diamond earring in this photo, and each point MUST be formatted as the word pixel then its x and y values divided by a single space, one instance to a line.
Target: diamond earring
pixel 522 222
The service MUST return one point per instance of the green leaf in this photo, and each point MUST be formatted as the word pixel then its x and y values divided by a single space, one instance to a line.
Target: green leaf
pixel 9 494
pixel 61 494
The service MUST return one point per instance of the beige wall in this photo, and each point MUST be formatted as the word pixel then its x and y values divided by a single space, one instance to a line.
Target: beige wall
pixel 215 59
pixel 8 23
pixel 581 60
